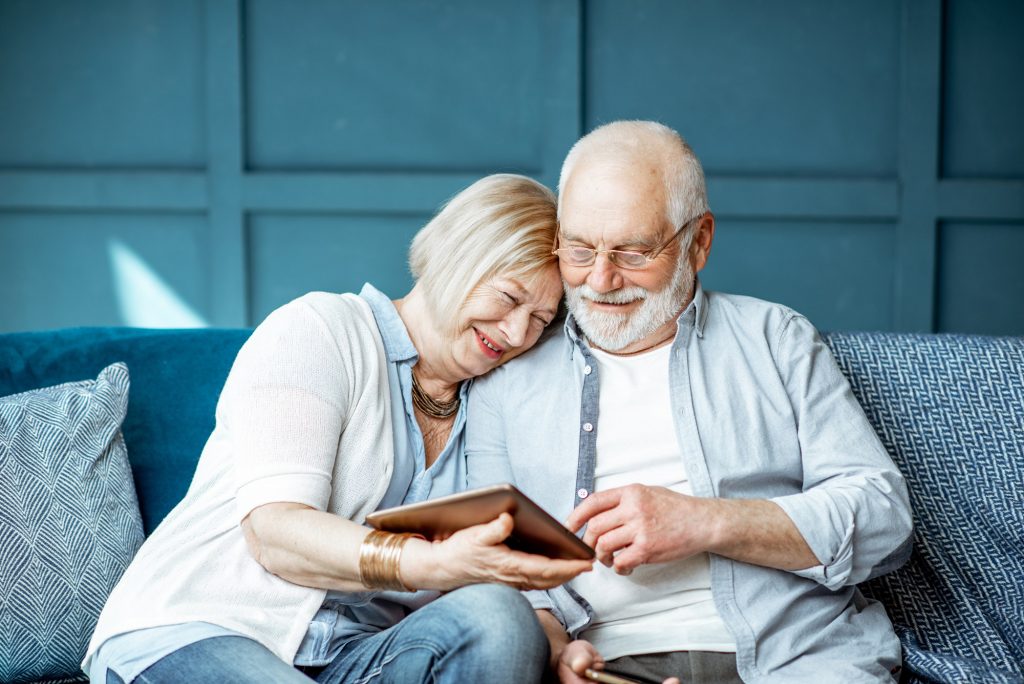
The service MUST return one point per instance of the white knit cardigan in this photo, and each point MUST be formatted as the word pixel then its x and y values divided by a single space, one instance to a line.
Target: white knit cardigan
pixel 304 417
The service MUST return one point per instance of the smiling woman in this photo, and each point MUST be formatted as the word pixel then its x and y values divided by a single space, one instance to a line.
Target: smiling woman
pixel 339 405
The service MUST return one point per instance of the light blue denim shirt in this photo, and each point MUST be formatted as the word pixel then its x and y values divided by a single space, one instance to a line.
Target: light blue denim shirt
pixel 344 615
pixel 761 411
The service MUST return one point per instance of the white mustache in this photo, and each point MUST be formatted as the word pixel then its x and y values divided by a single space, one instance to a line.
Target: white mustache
pixel 624 296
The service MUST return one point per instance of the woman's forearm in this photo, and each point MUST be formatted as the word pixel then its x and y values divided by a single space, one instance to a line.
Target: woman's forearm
pixel 317 549
pixel 306 546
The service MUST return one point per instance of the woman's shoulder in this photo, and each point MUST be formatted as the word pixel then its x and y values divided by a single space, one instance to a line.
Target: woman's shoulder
pixel 344 322
pixel 327 310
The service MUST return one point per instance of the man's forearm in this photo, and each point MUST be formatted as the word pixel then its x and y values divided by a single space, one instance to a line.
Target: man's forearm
pixel 759 532
pixel 556 634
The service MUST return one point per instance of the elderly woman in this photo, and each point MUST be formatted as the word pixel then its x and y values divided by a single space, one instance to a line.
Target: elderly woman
pixel 339 405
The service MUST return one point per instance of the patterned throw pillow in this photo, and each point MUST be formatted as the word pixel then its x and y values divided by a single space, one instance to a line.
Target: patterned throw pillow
pixel 69 520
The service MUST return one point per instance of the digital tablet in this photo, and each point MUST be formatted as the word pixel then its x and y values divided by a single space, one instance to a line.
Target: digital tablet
pixel 535 531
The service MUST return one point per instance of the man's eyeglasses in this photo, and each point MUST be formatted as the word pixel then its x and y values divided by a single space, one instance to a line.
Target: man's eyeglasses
pixel 586 256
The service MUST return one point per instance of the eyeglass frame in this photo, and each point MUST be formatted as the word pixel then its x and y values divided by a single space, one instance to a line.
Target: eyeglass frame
pixel 649 255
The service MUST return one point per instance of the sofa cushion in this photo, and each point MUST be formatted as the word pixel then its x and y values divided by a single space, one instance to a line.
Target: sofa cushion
pixel 69 520
pixel 177 376
pixel 950 411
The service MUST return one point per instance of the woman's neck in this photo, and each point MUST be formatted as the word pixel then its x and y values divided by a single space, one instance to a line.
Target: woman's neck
pixel 432 374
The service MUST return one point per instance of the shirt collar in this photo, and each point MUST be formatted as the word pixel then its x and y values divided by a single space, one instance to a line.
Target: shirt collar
pixel 697 311
pixel 398 345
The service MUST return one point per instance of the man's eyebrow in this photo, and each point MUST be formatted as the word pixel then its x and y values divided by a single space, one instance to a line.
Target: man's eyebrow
pixel 634 240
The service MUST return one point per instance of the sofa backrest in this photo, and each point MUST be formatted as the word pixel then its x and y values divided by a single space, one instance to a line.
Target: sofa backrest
pixel 176 377
pixel 950 411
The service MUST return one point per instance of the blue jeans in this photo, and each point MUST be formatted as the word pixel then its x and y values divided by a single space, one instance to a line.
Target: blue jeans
pixel 480 633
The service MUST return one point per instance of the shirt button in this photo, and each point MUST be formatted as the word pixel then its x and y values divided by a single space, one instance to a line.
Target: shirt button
pixel 587 370
pixel 588 427
pixel 582 493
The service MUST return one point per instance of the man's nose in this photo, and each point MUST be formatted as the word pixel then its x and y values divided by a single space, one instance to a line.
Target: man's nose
pixel 604 276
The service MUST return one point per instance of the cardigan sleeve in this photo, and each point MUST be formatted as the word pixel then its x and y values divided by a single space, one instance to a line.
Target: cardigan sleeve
pixel 284 406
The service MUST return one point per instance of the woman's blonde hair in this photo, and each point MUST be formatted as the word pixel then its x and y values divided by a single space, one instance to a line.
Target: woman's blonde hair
pixel 504 223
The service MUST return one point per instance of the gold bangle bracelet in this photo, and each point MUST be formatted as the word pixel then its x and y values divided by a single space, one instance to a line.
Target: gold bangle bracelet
pixel 379 558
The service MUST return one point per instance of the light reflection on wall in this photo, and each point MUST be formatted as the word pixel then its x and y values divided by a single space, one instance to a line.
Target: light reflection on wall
pixel 143 298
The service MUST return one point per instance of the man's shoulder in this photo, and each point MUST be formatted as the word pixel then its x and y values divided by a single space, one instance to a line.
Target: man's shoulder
pixel 736 310
pixel 745 304
pixel 544 361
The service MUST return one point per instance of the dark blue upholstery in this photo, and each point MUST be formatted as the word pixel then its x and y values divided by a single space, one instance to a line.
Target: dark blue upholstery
pixel 950 410
pixel 176 376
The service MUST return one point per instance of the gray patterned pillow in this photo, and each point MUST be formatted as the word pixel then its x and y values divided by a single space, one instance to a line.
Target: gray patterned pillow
pixel 69 520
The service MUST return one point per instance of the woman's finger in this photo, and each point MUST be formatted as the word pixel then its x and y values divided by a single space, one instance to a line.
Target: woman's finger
pixel 496 531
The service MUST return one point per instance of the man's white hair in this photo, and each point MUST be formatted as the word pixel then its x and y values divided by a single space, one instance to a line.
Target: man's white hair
pixel 626 142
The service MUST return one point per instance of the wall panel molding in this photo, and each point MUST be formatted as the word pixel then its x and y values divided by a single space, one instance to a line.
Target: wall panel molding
pixel 892 189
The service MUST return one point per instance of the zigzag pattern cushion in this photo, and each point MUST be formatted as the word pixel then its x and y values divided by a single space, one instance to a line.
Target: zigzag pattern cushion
pixel 69 520
pixel 950 410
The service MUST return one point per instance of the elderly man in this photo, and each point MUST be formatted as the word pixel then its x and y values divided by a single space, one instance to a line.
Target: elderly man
pixel 726 476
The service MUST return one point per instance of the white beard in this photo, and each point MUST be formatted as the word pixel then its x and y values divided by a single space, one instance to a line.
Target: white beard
pixel 615 331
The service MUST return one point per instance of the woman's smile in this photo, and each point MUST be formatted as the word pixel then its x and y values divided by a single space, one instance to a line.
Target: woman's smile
pixel 490 348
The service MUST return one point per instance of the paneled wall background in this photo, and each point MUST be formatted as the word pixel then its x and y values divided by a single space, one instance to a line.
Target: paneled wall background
pixel 189 162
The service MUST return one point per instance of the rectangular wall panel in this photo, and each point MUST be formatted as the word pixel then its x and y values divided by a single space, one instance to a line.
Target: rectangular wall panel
pixel 401 85
pixel 981 281
pixel 983 97
pixel 793 87
pixel 291 255
pixel 839 275
pixel 65 270
pixel 104 83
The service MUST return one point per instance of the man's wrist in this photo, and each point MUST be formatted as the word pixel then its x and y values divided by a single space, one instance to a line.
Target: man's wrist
pixel 556 634
pixel 720 525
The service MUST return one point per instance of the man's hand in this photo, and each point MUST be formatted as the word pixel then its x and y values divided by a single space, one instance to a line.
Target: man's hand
pixel 633 525
pixel 577 657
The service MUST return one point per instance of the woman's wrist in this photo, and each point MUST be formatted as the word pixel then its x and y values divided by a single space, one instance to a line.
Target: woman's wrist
pixel 420 568
pixel 380 557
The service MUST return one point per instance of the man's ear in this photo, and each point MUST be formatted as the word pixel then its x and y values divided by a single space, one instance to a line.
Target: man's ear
pixel 700 248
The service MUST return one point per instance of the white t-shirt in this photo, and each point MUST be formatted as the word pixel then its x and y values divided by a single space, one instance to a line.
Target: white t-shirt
pixel 659 607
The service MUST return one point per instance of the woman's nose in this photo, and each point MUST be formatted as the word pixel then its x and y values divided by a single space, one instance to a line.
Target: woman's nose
pixel 515 326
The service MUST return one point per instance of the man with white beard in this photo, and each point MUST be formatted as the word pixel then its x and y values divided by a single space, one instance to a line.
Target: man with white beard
pixel 726 476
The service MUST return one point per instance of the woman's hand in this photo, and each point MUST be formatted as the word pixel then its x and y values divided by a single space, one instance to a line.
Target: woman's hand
pixel 478 555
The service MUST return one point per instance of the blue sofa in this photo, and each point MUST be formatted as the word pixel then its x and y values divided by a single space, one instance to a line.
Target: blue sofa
pixel 950 410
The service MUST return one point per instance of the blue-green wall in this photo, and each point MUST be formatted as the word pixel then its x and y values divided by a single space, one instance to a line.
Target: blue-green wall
pixel 192 162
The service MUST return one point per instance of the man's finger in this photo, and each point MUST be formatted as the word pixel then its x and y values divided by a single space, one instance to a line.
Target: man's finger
pixel 611 541
pixel 627 560
pixel 602 523
pixel 591 506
